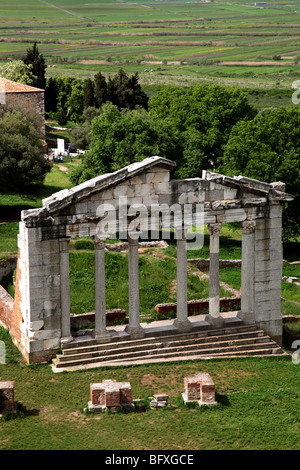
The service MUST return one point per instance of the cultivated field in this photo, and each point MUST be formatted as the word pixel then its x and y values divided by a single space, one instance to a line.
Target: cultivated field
pixel 224 41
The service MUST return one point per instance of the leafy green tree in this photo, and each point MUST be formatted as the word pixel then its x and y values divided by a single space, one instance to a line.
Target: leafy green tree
pixel 267 148
pixel 121 137
pixel 38 65
pixel 126 92
pixel 204 115
pixel 70 99
pixel 21 151
pixel 18 72
pixel 81 135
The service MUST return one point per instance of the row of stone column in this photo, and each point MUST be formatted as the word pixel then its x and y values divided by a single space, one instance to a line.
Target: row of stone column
pixel 181 322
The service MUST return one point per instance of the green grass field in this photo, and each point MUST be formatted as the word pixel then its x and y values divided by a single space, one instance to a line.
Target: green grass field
pixel 193 40
pixel 258 407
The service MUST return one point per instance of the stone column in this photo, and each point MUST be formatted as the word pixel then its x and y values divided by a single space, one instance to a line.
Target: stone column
pixel 182 322
pixel 134 328
pixel 66 335
pixel 248 269
pixel 214 317
pixel 101 334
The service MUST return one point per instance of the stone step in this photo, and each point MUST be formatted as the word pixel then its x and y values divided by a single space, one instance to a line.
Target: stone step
pixel 205 344
pixel 174 344
pixel 267 347
pixel 86 346
pixel 265 350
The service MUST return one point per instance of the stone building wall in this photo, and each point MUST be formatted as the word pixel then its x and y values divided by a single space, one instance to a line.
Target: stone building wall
pixel 29 100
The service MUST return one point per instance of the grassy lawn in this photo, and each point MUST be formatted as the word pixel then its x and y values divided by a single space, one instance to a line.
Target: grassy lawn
pixel 258 407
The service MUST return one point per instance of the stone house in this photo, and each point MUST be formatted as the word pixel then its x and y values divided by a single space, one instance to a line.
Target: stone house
pixel 23 96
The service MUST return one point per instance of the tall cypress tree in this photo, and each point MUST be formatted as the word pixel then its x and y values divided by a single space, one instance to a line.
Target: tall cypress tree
pixel 101 95
pixel 51 95
pixel 38 65
pixel 88 93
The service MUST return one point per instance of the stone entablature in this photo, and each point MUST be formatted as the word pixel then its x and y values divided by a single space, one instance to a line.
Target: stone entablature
pixel 42 293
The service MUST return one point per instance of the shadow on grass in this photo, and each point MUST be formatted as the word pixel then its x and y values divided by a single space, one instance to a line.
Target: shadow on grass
pixel 222 399
pixel 291 251
pixel 12 204
pixel 21 413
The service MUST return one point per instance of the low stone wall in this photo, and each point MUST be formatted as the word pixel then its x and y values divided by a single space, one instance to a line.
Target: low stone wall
pixel 198 307
pixel 84 320
pixel 203 264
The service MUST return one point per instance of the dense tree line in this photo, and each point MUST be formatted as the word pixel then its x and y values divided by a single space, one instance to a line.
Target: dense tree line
pixel 200 127
pixel 66 98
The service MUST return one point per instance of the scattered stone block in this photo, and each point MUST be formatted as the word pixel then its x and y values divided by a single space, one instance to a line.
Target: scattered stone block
pixel 110 394
pixel 7 404
pixel 159 401
pixel 199 388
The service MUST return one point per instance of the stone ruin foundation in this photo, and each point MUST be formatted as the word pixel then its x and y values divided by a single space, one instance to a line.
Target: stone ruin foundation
pixel 110 395
pixel 199 388
pixel 7 403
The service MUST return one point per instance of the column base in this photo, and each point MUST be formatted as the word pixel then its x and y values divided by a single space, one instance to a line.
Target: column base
pixel 247 317
pixel 216 322
pixel 102 337
pixel 185 325
pixel 66 339
pixel 135 332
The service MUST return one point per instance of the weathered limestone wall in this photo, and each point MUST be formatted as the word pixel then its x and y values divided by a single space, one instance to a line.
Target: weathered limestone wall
pixel 39 293
pixel 31 100
pixel 268 273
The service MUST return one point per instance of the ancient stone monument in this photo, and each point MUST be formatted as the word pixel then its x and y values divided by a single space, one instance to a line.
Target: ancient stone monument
pixel 40 323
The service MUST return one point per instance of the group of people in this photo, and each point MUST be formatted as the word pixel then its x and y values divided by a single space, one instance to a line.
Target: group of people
pixel 60 157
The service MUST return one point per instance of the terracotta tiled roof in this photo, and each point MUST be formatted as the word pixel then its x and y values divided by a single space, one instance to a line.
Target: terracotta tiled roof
pixel 14 87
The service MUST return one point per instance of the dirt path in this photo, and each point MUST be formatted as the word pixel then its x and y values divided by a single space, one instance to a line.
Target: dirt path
pixel 63 168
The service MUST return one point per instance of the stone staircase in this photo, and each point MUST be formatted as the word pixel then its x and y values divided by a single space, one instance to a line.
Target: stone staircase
pixel 229 342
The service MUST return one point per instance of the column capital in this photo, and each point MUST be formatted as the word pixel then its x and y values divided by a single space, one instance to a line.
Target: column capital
pixel 64 244
pixel 214 229
pixel 133 239
pixel 248 226
pixel 99 242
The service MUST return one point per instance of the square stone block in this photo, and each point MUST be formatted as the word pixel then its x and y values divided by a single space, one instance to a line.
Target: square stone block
pixel 7 404
pixel 200 388
pixel 110 394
